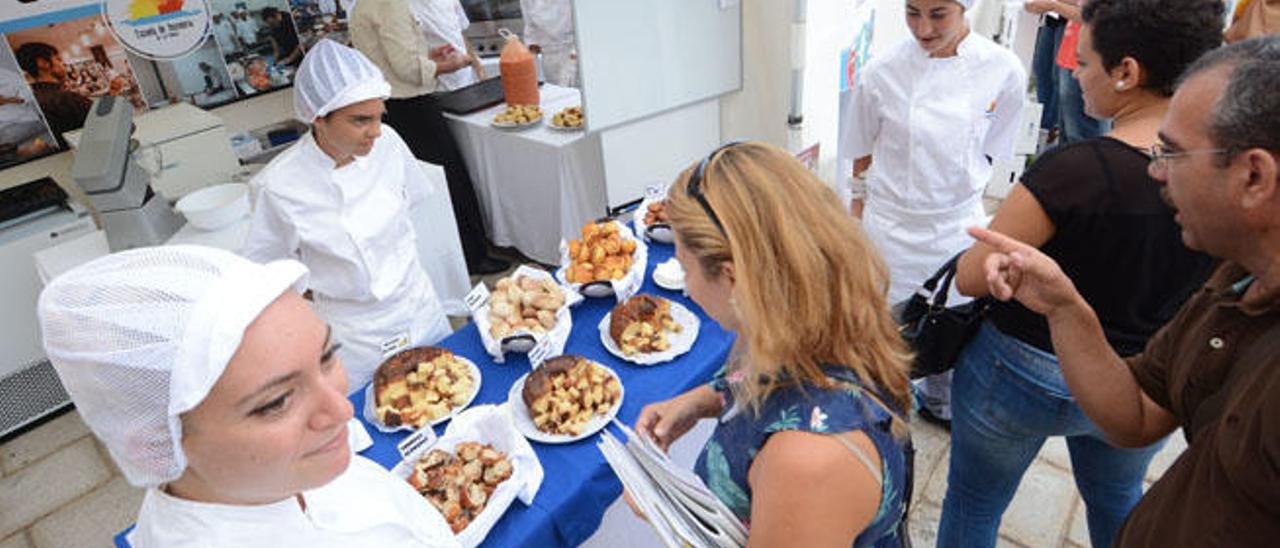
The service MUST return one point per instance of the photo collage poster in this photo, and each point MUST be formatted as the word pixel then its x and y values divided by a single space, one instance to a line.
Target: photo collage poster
pixel 56 56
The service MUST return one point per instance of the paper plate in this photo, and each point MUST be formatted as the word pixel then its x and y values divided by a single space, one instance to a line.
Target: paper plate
pixel 512 125
pixel 680 342
pixel 524 423
pixel 628 285
pixel 565 128
pixel 371 410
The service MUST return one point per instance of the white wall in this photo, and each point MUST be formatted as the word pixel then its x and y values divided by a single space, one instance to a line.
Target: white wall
pixel 759 110
pixel 653 150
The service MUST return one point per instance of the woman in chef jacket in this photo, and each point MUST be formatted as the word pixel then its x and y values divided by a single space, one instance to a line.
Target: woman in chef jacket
pixel 929 117
pixel 338 200
pixel 442 23
pixel 216 388
pixel 548 29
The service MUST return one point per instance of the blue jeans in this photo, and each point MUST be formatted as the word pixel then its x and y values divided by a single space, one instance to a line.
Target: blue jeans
pixel 1045 72
pixel 1008 397
pixel 1076 125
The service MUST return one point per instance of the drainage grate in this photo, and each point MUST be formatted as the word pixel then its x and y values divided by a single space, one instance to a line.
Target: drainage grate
pixel 29 395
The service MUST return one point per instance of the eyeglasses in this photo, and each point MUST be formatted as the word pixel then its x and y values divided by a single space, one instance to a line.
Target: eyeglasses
pixel 1160 155
pixel 694 187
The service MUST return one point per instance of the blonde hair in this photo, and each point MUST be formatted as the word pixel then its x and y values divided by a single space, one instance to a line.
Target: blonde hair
pixel 810 289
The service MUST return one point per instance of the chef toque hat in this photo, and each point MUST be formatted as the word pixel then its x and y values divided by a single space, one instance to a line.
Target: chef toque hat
pixel 141 336
pixel 333 76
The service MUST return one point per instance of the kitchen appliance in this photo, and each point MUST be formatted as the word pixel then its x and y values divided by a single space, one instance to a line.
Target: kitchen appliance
pixel 33 217
pixel 132 214
pixel 487 16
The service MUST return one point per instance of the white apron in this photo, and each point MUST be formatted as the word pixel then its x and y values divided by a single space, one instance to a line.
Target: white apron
pixel 915 244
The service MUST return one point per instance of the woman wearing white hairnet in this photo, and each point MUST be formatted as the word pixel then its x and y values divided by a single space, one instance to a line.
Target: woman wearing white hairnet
pixel 929 117
pixel 338 200
pixel 214 385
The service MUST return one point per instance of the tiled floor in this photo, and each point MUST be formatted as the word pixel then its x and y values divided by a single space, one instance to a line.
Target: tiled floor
pixel 59 489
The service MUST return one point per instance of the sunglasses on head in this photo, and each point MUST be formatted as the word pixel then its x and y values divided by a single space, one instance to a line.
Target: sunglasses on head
pixel 694 188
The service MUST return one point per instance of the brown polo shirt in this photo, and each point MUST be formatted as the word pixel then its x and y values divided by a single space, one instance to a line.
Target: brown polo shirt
pixel 1225 489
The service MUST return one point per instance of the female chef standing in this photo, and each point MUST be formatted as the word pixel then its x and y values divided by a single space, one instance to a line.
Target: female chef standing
pixel 338 201
pixel 929 116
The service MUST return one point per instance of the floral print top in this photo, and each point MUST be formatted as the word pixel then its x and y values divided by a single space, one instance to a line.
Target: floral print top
pixel 725 460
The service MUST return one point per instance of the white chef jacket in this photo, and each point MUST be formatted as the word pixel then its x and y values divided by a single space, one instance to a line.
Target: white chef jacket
pixel 442 22
pixel 929 124
pixel 225 35
pixel 364 506
pixel 351 227
pixel 247 29
pixel 549 24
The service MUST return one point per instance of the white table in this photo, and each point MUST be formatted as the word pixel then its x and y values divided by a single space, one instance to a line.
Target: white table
pixel 537 185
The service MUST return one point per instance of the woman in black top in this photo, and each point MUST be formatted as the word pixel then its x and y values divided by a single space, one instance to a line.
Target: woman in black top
pixel 1093 208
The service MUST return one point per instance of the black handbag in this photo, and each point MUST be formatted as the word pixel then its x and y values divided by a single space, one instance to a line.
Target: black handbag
pixel 935 332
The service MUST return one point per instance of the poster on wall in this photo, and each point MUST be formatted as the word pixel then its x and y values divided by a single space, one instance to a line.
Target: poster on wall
pixel 56 56
pixel 852 60
pixel 65 59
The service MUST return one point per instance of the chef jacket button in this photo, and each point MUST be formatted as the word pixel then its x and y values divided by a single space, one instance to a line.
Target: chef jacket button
pixel 1216 343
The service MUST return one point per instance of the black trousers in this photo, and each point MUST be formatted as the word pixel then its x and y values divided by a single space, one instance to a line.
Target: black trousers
pixel 420 123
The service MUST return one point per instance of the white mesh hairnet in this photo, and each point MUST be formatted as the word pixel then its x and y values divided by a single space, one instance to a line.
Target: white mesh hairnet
pixel 333 76
pixel 140 337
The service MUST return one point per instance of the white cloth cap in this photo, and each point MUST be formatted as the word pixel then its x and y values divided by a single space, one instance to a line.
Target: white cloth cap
pixel 141 336
pixel 966 4
pixel 333 76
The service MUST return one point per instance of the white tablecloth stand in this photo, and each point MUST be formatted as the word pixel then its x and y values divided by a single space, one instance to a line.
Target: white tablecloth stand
pixel 535 185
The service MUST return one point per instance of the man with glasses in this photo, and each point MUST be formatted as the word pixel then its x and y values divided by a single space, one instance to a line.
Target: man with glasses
pixel 1214 369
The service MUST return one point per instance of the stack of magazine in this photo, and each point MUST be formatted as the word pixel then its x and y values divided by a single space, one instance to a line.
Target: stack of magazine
pixel 677 504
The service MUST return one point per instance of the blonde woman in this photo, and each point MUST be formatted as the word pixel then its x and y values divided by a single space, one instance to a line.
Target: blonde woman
pixel 810 449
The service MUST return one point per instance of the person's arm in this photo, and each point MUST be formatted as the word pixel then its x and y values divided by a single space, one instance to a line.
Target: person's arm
pixel 1066 8
pixel 475 60
pixel 1006 119
pixel 860 131
pixel 472 56
pixel 417 188
pixel 1020 217
pixel 664 422
pixel 402 44
pixel 271 236
pixel 1098 378
pixel 859 183
pixel 809 490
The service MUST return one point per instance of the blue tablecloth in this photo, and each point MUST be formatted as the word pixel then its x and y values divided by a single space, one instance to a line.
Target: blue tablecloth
pixel 578 484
